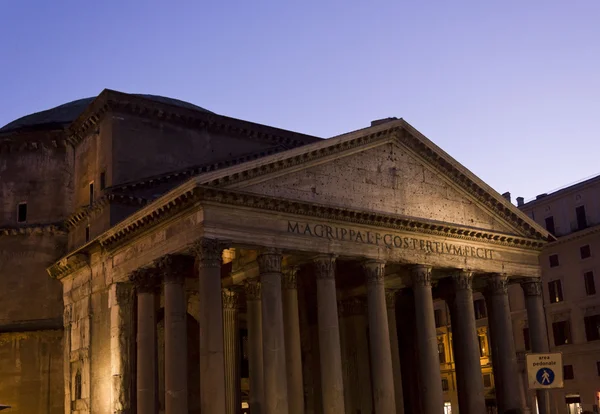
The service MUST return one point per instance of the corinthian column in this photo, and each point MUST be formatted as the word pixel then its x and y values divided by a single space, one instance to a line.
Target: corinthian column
pixel 538 333
pixel 276 397
pixel 429 363
pixel 147 285
pixel 466 346
pixel 293 353
pixel 212 360
pixel 122 343
pixel 174 269
pixel 501 337
pixel 390 300
pixel 329 337
pixel 379 336
pixel 255 346
pixel 232 351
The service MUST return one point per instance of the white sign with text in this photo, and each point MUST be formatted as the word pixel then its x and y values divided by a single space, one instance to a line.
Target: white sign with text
pixel 544 370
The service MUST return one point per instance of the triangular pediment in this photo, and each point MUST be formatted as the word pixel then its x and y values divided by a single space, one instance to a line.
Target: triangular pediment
pixel 389 169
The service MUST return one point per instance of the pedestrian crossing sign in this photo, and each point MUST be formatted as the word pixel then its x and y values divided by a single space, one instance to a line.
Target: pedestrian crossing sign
pixel 544 370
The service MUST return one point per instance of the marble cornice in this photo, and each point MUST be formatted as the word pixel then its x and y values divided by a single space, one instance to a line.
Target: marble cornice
pixel 97 206
pixel 9 146
pixel 110 100
pixel 170 205
pixel 33 230
pixel 68 265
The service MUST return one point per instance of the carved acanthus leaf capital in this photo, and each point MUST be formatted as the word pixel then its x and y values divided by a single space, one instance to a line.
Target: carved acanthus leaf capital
pixel 252 289
pixel 325 266
pixel 374 272
pixel 290 278
pixel 174 267
pixel 230 299
pixel 497 284
pixel 421 276
pixel 209 252
pixel 532 287
pixel 390 298
pixel 463 280
pixel 146 279
pixel 269 261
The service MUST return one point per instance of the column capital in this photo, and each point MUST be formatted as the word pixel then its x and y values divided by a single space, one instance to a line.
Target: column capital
pixel 145 279
pixel 352 306
pixel 252 289
pixel 496 284
pixel 325 266
pixel 209 252
pixel 421 275
pixel 532 287
pixel 290 278
pixel 230 299
pixel 462 280
pixel 374 271
pixel 269 260
pixel 174 267
pixel 390 298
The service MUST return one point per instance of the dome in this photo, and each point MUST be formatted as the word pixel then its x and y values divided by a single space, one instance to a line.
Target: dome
pixel 67 113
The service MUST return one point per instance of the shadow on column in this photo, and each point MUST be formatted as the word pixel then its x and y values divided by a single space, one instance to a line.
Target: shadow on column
pixel 405 317
pixel 193 367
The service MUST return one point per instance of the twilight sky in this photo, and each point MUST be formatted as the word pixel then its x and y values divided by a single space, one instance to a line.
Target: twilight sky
pixel 509 88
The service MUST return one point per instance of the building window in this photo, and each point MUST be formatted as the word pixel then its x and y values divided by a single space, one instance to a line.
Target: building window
pixel 562 333
pixel 568 372
pixel 487 380
pixel 91 193
pixel 590 285
pixel 483 344
pixel 526 338
pixel 437 314
pixel 480 310
pixel 598 368
pixel 553 260
pixel 550 225
pixel 87 233
pixel 445 385
pixel 585 251
pixel 555 291
pixel 78 385
pixel 442 352
pixel 102 180
pixel 592 327
pixel 581 219
pixel 22 213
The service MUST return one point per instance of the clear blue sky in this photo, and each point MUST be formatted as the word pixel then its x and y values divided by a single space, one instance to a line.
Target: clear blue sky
pixel 509 88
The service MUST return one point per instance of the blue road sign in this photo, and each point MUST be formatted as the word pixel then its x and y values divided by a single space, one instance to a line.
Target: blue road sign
pixel 545 376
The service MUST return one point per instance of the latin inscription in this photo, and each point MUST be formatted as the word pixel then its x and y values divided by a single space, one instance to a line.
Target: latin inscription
pixel 389 240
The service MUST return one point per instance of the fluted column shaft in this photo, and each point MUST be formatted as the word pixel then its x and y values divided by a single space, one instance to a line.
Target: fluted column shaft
pixel 379 336
pixel 293 352
pixel 231 343
pixel 329 337
pixel 390 298
pixel 173 269
pixel 429 363
pixel 502 343
pixel 538 333
pixel 275 383
pixel 466 346
pixel 255 346
pixel 212 359
pixel 147 284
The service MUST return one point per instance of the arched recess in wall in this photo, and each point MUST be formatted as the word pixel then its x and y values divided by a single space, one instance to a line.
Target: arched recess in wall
pixel 193 359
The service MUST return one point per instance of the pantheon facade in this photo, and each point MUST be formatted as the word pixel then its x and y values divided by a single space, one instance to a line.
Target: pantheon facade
pixel 182 261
